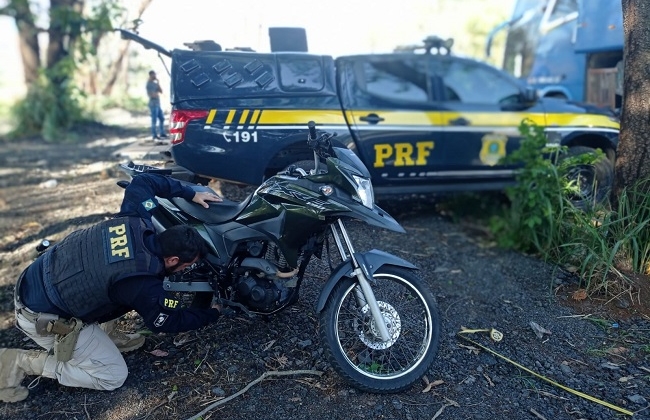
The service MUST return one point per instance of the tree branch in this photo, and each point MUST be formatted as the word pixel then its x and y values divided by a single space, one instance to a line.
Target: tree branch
pixel 258 380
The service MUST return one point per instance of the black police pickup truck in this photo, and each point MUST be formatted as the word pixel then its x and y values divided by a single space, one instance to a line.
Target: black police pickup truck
pixel 421 122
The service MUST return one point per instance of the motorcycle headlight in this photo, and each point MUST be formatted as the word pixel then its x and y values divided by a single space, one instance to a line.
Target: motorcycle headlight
pixel 364 191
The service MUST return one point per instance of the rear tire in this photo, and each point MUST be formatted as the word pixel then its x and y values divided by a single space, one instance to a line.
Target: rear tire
pixel 352 344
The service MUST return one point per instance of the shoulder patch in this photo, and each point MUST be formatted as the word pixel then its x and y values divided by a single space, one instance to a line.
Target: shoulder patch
pixel 160 319
pixel 149 204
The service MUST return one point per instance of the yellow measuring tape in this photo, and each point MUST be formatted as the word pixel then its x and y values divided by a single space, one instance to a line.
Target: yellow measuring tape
pixel 498 336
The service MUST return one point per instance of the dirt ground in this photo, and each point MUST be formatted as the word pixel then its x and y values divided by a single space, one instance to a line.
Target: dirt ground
pixel 603 351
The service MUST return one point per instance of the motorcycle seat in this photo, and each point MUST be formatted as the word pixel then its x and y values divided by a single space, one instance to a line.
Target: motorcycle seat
pixel 218 212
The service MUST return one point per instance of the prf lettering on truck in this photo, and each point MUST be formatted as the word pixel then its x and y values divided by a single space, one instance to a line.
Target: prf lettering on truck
pixel 119 244
pixel 403 154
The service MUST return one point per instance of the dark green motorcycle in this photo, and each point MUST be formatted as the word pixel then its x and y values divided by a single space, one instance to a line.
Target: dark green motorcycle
pixel 379 321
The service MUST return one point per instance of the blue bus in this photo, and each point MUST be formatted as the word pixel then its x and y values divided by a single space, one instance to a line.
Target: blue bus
pixel 566 48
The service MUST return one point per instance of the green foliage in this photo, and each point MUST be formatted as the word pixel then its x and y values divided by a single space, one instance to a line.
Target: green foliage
pixel 538 203
pixel 599 244
pixel 48 109
pixel 100 21
pixel 604 245
pixel 53 104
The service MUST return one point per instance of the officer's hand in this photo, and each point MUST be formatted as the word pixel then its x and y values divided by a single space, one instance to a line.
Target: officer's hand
pixel 224 311
pixel 203 198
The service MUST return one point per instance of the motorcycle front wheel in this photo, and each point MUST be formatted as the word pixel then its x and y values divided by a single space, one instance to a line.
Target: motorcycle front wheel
pixel 354 346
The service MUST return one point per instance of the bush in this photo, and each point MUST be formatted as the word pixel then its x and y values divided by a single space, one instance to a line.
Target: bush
pixel 49 109
pixel 539 204
pixel 598 244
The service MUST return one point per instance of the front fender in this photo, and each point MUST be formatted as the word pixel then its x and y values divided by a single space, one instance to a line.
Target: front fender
pixel 372 261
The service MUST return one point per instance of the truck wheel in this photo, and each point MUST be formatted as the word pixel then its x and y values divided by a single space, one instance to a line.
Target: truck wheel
pixel 593 182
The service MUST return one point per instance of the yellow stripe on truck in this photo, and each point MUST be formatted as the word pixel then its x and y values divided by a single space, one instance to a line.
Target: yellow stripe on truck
pixel 399 117
pixel 255 117
pixel 417 118
pixel 211 115
pixel 243 117
pixel 231 115
pixel 319 116
pixel 581 120
pixel 493 119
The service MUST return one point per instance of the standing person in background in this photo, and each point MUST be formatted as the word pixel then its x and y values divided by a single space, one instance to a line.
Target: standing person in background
pixel 153 92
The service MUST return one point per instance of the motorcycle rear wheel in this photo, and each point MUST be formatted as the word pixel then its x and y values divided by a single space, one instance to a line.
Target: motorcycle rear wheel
pixel 354 347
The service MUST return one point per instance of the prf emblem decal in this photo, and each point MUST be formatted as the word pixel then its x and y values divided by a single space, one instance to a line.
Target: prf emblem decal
pixel 149 205
pixel 160 319
pixel 493 148
pixel 117 243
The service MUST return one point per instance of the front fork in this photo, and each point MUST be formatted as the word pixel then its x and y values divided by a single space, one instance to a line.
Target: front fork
pixel 365 296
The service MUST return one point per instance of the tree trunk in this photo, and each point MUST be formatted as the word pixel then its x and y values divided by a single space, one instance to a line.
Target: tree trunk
pixel 65 28
pixel 27 39
pixel 633 152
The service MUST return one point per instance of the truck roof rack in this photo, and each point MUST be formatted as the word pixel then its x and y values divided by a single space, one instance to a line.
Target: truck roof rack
pixel 431 45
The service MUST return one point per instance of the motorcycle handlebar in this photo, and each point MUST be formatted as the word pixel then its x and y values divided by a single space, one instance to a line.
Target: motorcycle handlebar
pixel 319 144
pixel 312 130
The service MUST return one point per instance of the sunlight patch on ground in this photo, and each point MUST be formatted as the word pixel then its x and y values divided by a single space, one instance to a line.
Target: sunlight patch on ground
pixel 10 171
pixel 110 142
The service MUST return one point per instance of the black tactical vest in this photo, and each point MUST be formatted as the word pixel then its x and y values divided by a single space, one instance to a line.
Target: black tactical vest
pixel 86 263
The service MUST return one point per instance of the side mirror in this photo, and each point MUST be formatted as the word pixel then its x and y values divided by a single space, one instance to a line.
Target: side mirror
pixel 530 95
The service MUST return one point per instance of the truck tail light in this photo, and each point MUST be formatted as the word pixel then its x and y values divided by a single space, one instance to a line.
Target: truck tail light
pixel 179 120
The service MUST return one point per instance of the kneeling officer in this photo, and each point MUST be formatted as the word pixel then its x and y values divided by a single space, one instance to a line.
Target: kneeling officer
pixel 96 275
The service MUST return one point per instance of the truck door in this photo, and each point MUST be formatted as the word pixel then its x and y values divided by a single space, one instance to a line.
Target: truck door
pixel 389 106
pixel 483 109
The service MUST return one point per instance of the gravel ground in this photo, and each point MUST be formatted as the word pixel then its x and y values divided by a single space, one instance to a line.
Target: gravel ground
pixel 588 348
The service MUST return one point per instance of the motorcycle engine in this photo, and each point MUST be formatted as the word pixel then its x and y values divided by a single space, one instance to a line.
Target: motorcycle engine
pixel 259 292
pixel 259 287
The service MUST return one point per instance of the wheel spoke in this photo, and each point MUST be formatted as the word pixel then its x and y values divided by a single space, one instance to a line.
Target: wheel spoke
pixel 408 323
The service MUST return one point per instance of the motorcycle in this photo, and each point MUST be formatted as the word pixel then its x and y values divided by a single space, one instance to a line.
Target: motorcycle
pixel 379 321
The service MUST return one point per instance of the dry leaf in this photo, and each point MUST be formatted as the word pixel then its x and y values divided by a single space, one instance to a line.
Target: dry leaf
pixel 580 294
pixel 159 353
